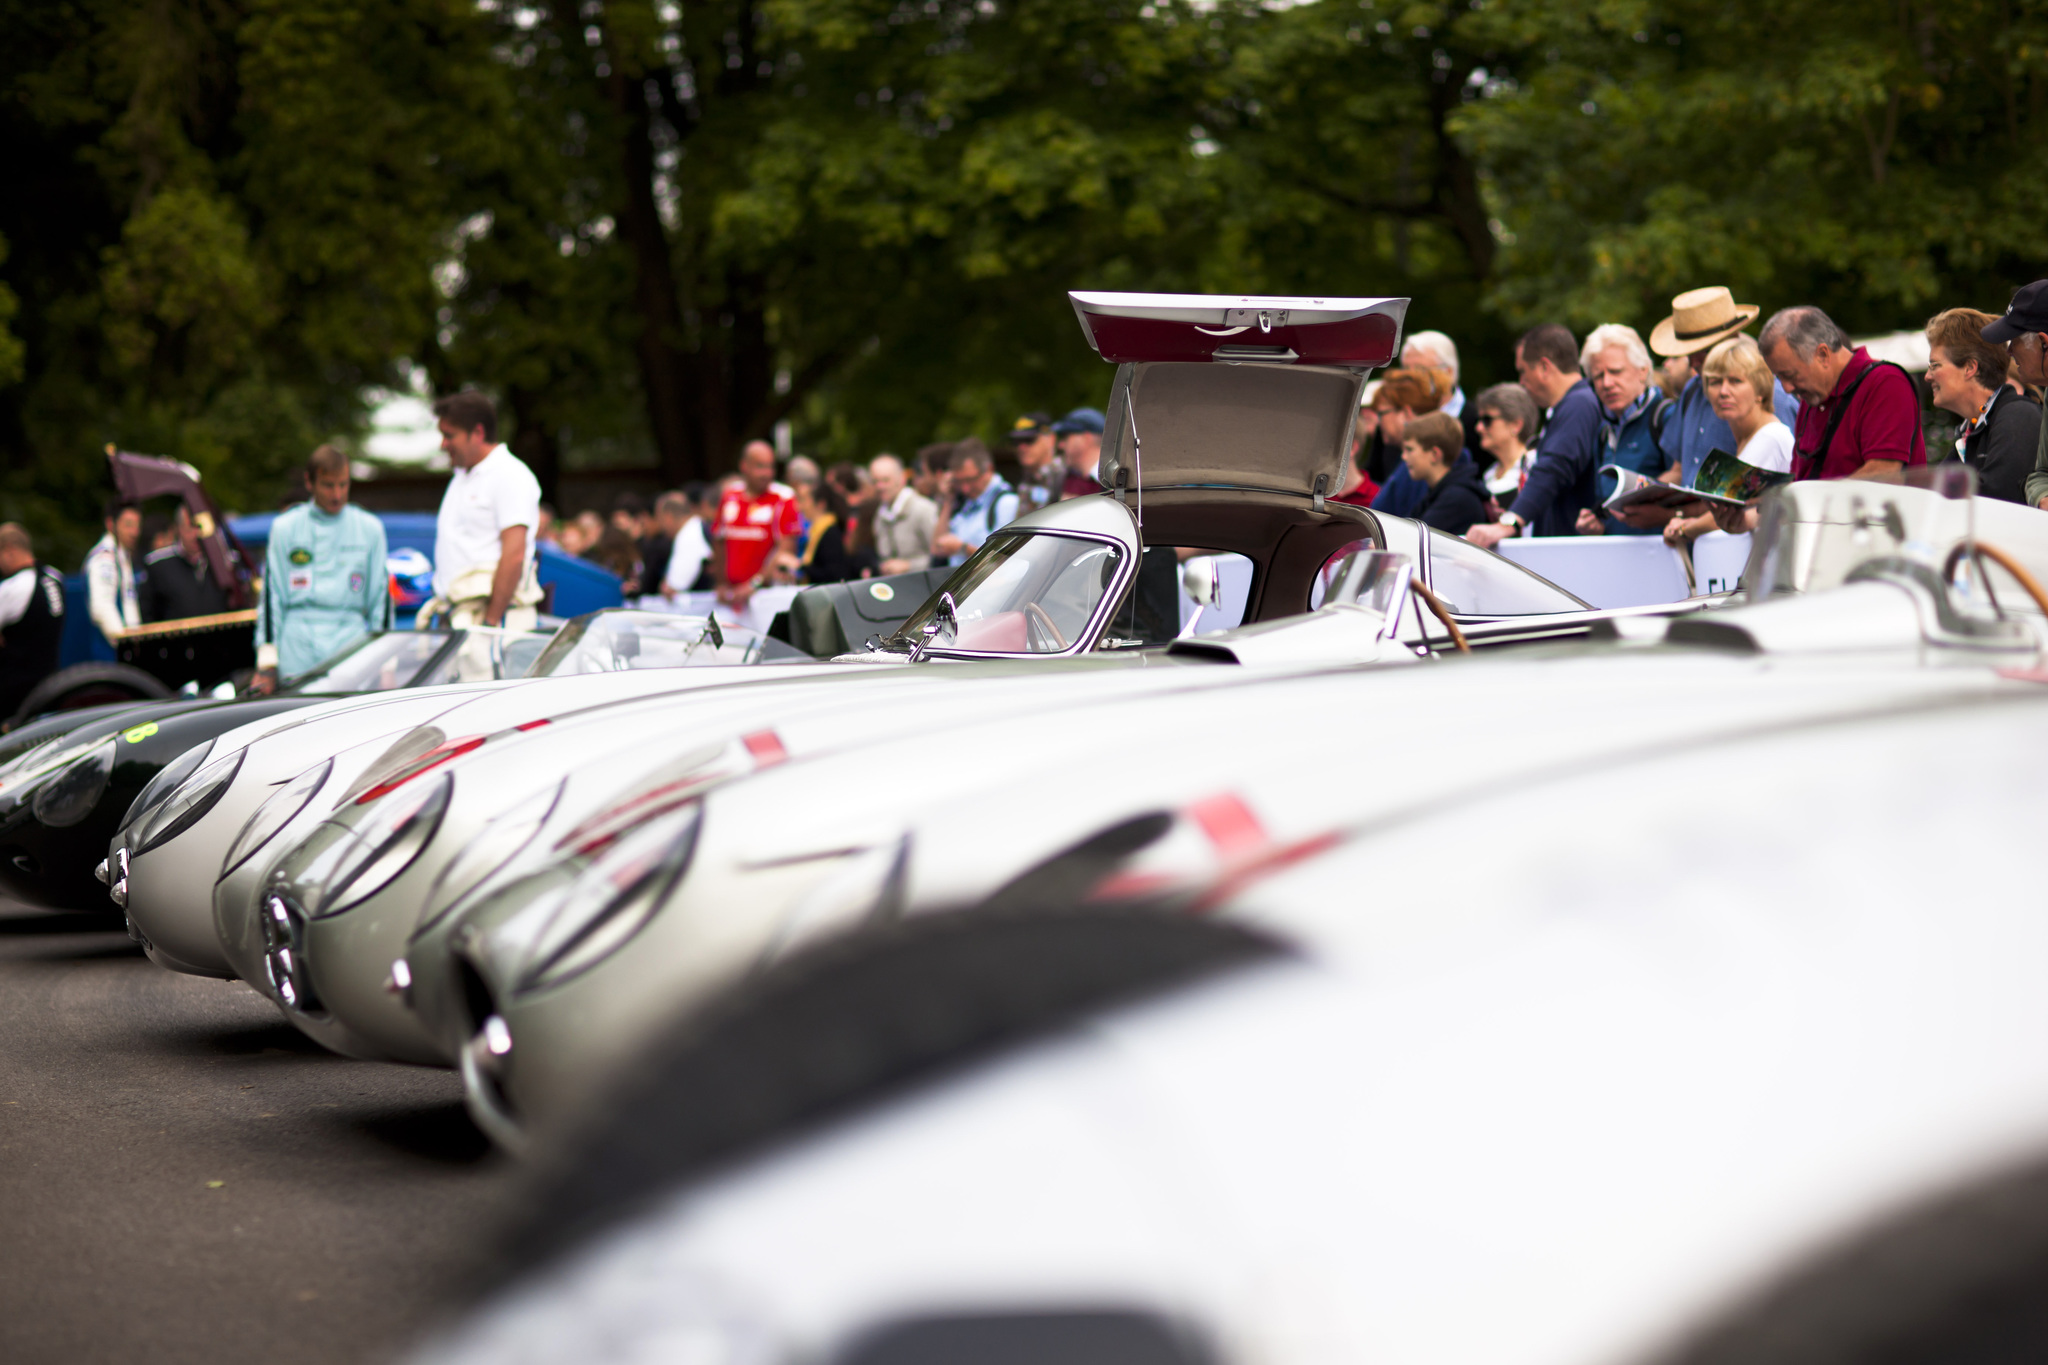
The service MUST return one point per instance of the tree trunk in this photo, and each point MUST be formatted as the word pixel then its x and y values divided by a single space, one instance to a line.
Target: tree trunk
pixel 1457 179
pixel 662 365
pixel 535 443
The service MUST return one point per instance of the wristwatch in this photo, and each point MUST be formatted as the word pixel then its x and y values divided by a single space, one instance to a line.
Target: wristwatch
pixel 1511 521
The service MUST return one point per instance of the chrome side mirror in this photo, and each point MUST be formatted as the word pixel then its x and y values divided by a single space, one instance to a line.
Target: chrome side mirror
pixel 945 617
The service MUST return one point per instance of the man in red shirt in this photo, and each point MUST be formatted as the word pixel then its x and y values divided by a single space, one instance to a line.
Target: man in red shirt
pixel 1858 418
pixel 757 519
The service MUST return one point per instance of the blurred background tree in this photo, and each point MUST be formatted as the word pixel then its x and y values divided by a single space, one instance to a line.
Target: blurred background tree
pixel 657 230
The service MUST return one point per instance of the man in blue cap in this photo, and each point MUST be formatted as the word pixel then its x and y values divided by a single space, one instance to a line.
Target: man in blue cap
pixel 1080 434
pixel 2024 330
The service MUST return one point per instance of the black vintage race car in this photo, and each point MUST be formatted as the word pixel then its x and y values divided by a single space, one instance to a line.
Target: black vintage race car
pixel 68 779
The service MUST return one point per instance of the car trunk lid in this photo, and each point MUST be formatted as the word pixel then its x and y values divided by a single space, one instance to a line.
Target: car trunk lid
pixel 1230 391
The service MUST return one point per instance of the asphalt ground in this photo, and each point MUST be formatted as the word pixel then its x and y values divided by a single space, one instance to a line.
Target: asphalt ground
pixel 185 1177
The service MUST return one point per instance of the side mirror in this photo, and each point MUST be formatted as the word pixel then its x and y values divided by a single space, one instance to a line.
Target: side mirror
pixel 945 617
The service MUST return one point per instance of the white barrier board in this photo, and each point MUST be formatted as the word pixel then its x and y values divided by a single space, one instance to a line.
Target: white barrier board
pixel 1717 560
pixel 1606 571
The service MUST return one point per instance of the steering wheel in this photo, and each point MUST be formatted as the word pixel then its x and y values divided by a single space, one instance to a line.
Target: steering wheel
pixel 1035 616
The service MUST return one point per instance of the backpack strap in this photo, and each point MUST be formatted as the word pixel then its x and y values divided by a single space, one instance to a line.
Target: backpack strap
pixel 1819 458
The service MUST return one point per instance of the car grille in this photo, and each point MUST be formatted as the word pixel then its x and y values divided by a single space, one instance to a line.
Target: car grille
pixel 284 937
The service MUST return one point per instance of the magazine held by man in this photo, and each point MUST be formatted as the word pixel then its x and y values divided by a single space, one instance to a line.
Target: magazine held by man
pixel 1723 479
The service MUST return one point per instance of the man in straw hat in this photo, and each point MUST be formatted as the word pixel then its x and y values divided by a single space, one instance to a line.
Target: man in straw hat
pixel 2024 330
pixel 1700 320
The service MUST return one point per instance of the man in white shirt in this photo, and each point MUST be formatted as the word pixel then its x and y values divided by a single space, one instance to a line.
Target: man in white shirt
pixel 483 537
pixel 689 555
pixel 110 572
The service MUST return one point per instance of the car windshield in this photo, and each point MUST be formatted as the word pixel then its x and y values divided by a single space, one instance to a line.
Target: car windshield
pixel 1022 594
pixel 375 662
pixel 617 641
pixel 1476 582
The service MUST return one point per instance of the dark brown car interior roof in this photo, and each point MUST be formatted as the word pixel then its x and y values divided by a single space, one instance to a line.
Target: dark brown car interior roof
pixel 1286 539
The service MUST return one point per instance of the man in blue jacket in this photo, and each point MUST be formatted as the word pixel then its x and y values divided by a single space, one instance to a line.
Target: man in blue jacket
pixel 1564 479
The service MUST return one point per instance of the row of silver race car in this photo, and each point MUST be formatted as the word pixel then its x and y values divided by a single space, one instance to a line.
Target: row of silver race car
pixel 1448 973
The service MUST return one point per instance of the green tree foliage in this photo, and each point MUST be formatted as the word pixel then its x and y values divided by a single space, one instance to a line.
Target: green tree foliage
pixel 1882 160
pixel 221 218
pixel 663 228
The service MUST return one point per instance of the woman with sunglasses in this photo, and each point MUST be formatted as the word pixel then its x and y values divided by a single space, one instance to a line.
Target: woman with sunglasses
pixel 1507 422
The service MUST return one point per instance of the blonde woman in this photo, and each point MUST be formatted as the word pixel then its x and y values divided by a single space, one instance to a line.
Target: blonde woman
pixel 1738 386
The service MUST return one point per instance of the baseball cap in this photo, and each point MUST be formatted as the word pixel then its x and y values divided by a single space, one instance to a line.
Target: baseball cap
pixel 1029 427
pixel 2028 312
pixel 1080 419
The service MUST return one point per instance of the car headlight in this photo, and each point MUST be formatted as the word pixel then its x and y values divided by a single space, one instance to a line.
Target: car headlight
pixel 186 805
pixel 166 781
pixel 70 795
pixel 282 807
pixel 41 762
pixel 613 897
pixel 368 856
pixel 502 838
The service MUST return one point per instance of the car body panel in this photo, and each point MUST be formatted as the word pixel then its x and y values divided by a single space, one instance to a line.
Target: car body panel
pixel 605 757
pixel 771 852
pixel 1714 1075
pixel 172 893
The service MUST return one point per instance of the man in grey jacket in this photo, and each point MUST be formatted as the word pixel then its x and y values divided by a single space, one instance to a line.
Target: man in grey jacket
pixel 903 518
pixel 2024 331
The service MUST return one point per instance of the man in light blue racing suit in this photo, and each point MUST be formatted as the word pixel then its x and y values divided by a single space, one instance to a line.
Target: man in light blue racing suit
pixel 324 580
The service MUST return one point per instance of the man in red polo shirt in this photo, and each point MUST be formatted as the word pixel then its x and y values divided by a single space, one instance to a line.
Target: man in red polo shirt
pixel 1858 418
pixel 756 519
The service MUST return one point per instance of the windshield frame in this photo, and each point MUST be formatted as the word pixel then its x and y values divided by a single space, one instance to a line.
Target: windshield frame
pixel 902 641
pixel 300 685
pixel 1572 603
pixel 761 648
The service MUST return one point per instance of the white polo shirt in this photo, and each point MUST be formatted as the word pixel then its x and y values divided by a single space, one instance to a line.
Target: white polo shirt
pixel 497 493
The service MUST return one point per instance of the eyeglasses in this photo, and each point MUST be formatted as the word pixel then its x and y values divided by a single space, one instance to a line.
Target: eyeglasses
pixel 1487 419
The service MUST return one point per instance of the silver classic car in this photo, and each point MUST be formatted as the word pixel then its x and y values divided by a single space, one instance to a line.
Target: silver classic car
pixel 546 984
pixel 1703 1043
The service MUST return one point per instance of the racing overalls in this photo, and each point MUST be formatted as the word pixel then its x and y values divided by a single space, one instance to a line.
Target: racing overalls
pixel 324 583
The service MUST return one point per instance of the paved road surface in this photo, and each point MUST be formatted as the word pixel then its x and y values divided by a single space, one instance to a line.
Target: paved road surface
pixel 183 1177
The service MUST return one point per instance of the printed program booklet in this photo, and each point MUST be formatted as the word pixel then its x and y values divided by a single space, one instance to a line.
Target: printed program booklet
pixel 1722 479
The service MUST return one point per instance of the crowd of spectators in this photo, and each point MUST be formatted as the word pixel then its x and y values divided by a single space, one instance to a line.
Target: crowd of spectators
pixel 1540 456
pixel 817 525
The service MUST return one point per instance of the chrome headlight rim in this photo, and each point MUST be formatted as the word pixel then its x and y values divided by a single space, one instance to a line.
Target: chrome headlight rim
pixel 281 807
pixel 188 803
pixel 495 847
pixel 391 841
pixel 562 956
pixel 169 778
pixel 67 795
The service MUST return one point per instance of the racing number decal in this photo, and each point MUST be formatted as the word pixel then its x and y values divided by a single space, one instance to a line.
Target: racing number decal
pixel 139 733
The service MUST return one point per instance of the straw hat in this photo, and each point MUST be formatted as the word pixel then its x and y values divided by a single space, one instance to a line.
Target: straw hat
pixel 1699 318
